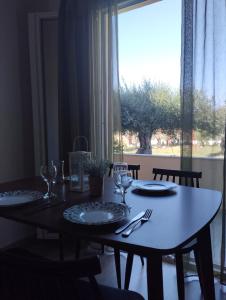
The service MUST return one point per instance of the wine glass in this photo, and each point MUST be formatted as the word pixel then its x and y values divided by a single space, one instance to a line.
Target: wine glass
pixel 116 180
pixel 49 173
pixel 117 168
pixel 59 164
pixel 125 181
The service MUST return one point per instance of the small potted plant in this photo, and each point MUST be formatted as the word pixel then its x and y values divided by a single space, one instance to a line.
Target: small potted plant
pixel 96 169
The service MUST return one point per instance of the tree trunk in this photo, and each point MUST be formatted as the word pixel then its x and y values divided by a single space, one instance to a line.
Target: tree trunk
pixel 145 143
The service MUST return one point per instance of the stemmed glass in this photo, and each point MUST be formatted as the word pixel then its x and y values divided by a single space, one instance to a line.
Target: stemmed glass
pixel 118 167
pixel 59 164
pixel 49 173
pixel 125 181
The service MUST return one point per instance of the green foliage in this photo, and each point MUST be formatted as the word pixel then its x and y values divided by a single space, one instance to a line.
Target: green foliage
pixel 204 115
pixel 95 167
pixel 147 108
pixel 209 120
pixel 220 119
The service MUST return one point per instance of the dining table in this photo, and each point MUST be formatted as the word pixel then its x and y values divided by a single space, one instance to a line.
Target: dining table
pixel 178 216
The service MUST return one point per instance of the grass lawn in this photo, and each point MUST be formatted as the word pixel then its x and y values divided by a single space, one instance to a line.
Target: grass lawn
pixel 199 151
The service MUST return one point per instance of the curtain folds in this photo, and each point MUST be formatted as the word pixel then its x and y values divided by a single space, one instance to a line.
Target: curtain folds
pixel 223 239
pixel 73 74
pixel 88 76
pixel 203 94
pixel 104 78
pixel 187 85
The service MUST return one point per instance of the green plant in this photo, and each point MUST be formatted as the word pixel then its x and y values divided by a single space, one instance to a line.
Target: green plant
pixel 96 167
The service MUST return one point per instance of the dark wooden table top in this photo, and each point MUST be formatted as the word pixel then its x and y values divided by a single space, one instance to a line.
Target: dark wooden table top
pixel 177 216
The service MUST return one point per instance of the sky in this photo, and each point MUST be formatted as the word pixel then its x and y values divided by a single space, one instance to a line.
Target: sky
pixel 150 43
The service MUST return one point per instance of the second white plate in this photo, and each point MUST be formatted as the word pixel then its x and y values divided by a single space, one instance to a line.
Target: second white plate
pixel 154 185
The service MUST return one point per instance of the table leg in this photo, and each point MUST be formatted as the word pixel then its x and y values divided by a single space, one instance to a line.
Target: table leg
pixel 117 266
pixel 205 265
pixel 154 277
pixel 129 265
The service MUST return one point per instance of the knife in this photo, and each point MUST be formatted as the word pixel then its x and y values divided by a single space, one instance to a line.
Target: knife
pixel 122 228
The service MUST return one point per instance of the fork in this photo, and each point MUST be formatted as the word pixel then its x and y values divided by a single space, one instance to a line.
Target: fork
pixel 144 219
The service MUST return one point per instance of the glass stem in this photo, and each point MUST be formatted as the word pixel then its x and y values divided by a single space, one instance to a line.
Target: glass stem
pixel 123 196
pixel 49 185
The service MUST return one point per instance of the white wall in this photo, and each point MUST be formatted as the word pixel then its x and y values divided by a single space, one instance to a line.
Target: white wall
pixel 16 131
pixel 16 135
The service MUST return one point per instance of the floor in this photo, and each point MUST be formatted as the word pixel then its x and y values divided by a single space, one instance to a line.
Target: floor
pixel 49 248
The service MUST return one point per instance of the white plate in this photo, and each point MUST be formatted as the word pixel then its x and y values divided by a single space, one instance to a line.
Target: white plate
pixel 154 185
pixel 96 213
pixel 15 198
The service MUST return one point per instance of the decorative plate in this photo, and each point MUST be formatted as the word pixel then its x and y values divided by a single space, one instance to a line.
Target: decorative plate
pixel 96 213
pixel 154 185
pixel 15 198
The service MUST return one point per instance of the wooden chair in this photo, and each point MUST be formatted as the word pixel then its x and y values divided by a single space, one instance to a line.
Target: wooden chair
pixel 187 178
pixel 27 276
pixel 133 168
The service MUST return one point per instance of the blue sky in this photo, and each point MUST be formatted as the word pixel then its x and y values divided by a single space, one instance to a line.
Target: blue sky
pixel 150 43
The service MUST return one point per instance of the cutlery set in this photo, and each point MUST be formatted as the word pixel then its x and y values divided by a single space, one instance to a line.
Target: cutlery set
pixel 141 218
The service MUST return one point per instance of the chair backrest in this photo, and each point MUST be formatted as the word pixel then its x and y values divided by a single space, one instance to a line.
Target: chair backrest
pixel 188 178
pixel 133 168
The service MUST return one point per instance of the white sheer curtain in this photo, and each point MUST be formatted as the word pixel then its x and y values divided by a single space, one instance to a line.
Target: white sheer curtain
pixel 104 78
pixel 204 98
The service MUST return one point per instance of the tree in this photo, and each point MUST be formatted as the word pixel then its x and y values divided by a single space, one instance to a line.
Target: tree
pixel 220 124
pixel 147 108
pixel 204 120
pixel 220 119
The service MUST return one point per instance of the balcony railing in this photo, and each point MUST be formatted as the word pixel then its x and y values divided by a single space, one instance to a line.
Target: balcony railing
pixel 212 168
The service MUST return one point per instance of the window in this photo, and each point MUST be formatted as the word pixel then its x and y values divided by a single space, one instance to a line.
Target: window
pixel 149 69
